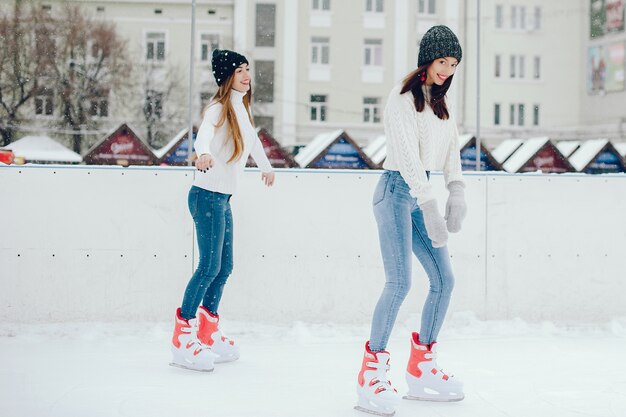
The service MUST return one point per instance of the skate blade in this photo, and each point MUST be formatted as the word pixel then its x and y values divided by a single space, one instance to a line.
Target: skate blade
pixel 178 365
pixel 378 413
pixel 438 399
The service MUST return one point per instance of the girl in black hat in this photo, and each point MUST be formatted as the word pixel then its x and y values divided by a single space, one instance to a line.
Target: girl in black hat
pixel 421 137
pixel 225 140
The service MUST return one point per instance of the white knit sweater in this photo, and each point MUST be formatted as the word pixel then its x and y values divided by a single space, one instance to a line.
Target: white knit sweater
pixel 419 142
pixel 217 142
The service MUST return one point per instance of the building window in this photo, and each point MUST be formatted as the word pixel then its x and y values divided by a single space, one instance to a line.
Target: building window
pixel 208 43
pixel 522 17
pixel 537 22
pixel 513 17
pixel 321 5
pixel 373 52
pixel 265 122
pixel 205 99
pixel 512 114
pixel 522 64
pixel 155 46
pixel 320 51
pixel 265 24
pixel 318 108
pixel 513 65
pixel 498 66
pixel 99 106
pixel 537 68
pixel 371 109
pixel 536 115
pixel 153 105
pixel 264 81
pixel 496 114
pixel 520 114
pixel 374 6
pixel 426 6
pixel 499 16
pixel 44 103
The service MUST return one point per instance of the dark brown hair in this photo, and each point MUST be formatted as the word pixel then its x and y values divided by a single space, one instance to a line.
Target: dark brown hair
pixel 413 82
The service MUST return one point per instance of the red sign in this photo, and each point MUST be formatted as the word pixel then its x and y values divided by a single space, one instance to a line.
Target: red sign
pixel 548 160
pixel 122 147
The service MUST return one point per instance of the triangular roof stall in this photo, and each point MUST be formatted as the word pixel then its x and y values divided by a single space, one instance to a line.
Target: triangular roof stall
pixel 597 156
pixel 505 149
pixel 121 146
pixel 43 150
pixel 333 150
pixel 538 154
pixel 278 156
pixel 176 152
pixel 377 151
pixel 467 147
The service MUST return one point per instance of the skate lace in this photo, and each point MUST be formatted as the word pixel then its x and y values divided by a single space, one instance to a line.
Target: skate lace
pixel 193 342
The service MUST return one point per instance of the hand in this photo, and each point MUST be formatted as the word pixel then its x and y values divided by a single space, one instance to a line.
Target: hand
pixel 268 178
pixel 455 207
pixel 435 225
pixel 204 162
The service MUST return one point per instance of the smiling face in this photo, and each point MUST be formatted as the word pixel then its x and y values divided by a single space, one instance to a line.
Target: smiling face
pixel 440 69
pixel 241 78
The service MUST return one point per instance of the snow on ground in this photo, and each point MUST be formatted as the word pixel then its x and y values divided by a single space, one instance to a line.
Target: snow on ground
pixel 510 368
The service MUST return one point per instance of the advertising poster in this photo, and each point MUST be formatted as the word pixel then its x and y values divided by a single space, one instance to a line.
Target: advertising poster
pixel 605 68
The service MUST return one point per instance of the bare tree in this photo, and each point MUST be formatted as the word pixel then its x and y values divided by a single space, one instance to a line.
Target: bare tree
pixel 24 57
pixel 91 61
pixel 163 107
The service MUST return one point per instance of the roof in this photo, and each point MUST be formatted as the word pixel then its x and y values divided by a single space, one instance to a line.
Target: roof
pixel 568 147
pixel 316 146
pixel 162 151
pixel 621 148
pixel 586 153
pixel 505 149
pixel 524 153
pixel 465 139
pixel 43 148
pixel 377 150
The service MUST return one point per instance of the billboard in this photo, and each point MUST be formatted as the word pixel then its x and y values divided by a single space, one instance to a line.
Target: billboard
pixel 605 68
pixel 606 16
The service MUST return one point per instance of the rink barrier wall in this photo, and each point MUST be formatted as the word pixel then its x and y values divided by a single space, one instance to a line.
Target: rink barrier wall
pixel 83 243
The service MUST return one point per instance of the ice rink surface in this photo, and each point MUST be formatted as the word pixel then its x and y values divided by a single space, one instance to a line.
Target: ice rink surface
pixel 509 368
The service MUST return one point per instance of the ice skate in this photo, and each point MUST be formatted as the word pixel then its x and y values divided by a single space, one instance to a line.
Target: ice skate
pixel 426 381
pixel 210 335
pixel 376 395
pixel 187 351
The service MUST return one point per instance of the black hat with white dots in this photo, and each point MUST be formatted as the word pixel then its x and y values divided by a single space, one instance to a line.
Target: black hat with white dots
pixel 224 63
pixel 439 42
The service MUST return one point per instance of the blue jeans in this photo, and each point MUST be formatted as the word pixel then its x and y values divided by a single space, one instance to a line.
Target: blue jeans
pixel 214 228
pixel 401 231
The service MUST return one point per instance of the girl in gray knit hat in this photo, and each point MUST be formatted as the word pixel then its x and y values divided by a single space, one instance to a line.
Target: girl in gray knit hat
pixel 421 137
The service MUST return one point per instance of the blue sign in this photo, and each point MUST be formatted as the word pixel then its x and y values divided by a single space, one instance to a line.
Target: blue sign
pixel 605 162
pixel 180 154
pixel 468 159
pixel 342 155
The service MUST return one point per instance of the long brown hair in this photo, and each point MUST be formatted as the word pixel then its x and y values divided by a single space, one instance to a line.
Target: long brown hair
pixel 228 114
pixel 413 82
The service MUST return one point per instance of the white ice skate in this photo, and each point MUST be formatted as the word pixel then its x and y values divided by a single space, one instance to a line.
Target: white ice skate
pixel 210 335
pixel 187 351
pixel 375 392
pixel 426 381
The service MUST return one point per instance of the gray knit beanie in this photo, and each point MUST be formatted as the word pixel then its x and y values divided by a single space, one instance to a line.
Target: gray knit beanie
pixel 438 42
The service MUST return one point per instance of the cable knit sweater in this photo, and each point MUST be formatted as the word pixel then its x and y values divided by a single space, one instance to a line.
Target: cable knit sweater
pixel 217 142
pixel 419 142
